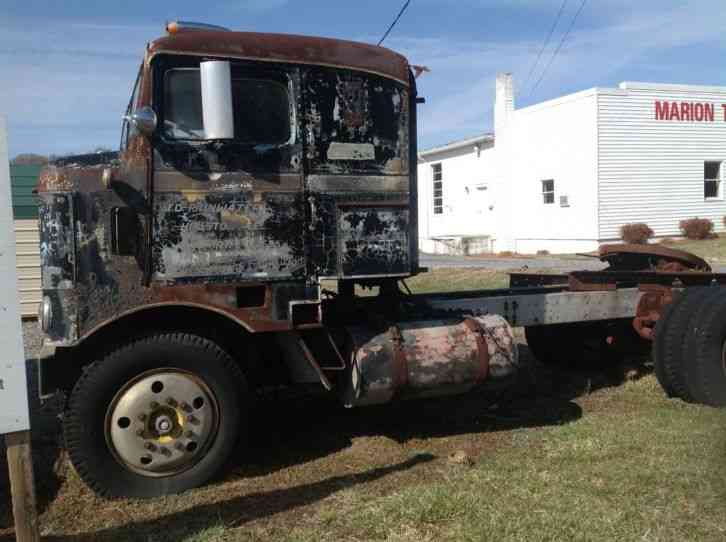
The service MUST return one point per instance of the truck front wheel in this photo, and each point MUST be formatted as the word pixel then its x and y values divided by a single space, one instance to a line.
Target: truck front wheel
pixel 156 416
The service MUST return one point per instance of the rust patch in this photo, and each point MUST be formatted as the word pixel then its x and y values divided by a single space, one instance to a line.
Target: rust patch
pixel 482 347
pixel 634 257
pixel 286 48
pixel 650 308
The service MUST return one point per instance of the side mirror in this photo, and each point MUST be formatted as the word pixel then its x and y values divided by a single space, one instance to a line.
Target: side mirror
pixel 144 119
pixel 217 112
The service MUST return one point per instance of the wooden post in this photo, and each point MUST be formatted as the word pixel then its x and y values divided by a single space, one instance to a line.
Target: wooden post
pixel 22 486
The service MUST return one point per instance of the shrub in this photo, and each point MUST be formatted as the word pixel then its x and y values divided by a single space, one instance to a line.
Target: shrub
pixel 506 253
pixel 697 228
pixel 636 233
pixel 667 241
pixel 543 253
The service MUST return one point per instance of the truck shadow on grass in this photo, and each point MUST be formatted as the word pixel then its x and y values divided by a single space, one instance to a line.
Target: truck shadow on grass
pixel 290 434
pixel 294 432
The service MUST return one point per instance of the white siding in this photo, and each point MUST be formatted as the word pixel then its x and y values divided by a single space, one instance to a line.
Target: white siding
pixel 28 266
pixel 554 140
pixel 652 170
pixel 467 198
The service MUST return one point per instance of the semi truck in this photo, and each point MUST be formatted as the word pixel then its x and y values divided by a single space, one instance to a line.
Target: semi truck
pixel 187 272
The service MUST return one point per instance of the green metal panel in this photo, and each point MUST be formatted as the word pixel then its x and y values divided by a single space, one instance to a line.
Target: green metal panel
pixel 23 180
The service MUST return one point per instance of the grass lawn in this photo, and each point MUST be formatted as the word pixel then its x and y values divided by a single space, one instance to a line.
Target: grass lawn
pixel 644 468
pixel 708 249
pixel 455 279
pixel 563 455
pixel 446 280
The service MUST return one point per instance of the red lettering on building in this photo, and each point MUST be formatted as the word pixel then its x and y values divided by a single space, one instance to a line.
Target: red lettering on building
pixel 662 111
pixel 723 106
pixel 698 112
pixel 675 111
pixel 687 111
pixel 708 112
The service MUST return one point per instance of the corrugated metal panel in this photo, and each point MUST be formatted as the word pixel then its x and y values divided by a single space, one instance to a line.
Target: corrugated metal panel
pixel 28 262
pixel 23 180
pixel 652 170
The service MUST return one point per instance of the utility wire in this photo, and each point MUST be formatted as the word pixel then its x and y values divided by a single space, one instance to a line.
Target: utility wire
pixel 544 45
pixel 405 5
pixel 559 46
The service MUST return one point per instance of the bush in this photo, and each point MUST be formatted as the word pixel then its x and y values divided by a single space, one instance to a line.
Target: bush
pixel 697 228
pixel 543 253
pixel 667 241
pixel 506 253
pixel 638 233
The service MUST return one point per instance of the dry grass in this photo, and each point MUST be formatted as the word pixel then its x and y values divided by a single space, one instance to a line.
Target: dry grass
pixel 578 455
pixel 712 250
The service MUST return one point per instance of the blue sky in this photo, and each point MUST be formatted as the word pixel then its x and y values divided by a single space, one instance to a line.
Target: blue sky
pixel 66 67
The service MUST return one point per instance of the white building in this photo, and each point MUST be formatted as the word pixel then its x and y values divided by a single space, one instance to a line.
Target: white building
pixel 565 174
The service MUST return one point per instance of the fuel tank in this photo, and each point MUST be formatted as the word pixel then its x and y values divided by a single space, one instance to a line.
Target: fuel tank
pixel 427 358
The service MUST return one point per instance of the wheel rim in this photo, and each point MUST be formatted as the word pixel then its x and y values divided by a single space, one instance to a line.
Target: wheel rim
pixel 162 422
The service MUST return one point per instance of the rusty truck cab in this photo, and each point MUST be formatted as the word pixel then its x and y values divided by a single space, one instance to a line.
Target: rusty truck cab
pixel 317 182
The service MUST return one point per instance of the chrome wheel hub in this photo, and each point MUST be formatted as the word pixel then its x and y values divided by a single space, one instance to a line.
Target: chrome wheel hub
pixel 162 422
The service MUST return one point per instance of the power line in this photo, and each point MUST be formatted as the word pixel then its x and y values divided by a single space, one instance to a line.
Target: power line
pixel 405 5
pixel 545 44
pixel 559 46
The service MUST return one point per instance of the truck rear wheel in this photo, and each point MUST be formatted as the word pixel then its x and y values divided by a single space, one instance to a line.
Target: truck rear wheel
pixel 155 416
pixel 705 349
pixel 659 368
pixel 671 336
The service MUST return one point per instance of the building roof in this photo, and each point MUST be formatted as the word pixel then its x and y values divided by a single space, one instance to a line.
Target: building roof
pixel 471 141
pixel 639 85
pixel 286 48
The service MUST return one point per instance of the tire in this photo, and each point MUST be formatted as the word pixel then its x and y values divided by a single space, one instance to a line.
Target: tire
pixel 658 347
pixel 670 359
pixel 705 373
pixel 105 455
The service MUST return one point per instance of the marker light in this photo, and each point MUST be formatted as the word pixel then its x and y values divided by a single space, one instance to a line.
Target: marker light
pixel 174 27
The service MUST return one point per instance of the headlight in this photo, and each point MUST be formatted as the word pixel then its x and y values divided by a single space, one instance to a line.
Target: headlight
pixel 45 313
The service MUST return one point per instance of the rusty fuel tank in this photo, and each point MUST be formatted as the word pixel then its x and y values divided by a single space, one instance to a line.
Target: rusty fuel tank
pixel 427 358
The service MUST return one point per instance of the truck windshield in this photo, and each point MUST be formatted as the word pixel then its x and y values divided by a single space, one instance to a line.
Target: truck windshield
pixel 261 108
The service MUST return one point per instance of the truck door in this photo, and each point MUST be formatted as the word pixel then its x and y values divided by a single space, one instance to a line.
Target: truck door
pixel 227 209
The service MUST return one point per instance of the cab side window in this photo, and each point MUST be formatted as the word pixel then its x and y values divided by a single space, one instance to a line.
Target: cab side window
pixel 128 130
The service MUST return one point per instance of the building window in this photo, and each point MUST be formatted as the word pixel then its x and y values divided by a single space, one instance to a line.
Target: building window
pixel 548 191
pixel 438 188
pixel 712 180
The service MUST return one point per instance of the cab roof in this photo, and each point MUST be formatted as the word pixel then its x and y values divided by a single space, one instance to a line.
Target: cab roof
pixel 286 48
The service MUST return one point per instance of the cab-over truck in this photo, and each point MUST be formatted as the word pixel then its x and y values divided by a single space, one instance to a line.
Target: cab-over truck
pixel 183 273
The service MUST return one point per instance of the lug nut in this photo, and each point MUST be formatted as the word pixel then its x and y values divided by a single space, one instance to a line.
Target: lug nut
pixel 142 417
pixel 185 406
pixel 149 446
pixel 189 434
pixel 154 405
pixel 139 432
pixel 179 446
pixel 192 419
pixel 171 401
pixel 165 451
